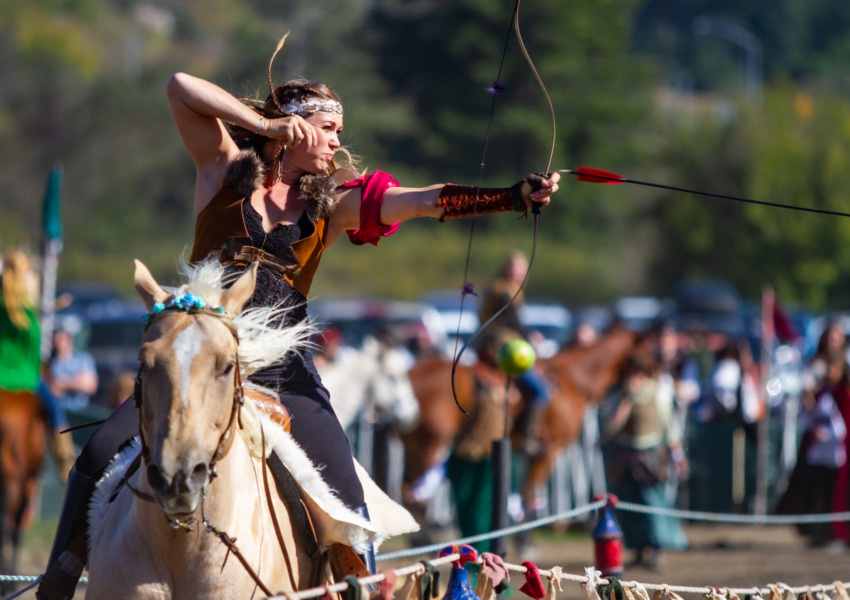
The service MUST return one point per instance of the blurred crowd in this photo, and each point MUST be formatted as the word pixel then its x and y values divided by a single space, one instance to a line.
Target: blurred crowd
pixel 684 427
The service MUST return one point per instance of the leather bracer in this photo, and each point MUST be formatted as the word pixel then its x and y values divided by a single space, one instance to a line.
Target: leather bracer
pixel 459 201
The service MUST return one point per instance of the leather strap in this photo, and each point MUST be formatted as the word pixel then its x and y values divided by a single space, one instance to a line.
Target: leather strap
pixel 240 250
pixel 304 527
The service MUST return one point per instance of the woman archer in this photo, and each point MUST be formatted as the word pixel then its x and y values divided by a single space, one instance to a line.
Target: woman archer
pixel 275 186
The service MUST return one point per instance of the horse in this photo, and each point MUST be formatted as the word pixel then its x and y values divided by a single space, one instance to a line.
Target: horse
pixel 578 376
pixel 167 514
pixel 373 378
pixel 23 441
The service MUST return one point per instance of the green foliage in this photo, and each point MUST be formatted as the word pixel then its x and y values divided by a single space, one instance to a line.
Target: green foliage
pixel 634 90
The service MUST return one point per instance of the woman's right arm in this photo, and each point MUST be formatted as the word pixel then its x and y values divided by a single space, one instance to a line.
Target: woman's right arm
pixel 200 108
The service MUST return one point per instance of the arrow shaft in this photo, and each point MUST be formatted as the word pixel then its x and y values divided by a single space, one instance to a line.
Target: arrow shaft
pixel 604 178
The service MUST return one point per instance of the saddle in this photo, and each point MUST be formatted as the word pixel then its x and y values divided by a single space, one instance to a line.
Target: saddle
pixel 269 407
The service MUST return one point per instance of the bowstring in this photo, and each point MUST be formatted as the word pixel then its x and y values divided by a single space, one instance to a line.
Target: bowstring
pixel 535 211
pixel 467 285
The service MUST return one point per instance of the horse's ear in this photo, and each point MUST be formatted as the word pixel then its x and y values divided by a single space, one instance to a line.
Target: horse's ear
pixel 238 294
pixel 147 287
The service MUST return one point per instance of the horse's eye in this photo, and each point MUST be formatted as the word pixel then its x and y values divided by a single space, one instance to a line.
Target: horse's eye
pixel 228 369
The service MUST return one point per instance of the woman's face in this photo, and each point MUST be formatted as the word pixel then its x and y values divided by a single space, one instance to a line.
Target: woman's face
pixel 316 159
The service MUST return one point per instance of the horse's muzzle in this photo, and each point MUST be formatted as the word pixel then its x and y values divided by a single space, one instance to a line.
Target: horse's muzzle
pixel 180 494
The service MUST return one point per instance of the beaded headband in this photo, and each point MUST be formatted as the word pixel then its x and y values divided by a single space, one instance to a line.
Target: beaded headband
pixel 310 106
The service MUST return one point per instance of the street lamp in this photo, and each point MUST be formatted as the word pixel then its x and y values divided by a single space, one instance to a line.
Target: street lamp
pixel 747 40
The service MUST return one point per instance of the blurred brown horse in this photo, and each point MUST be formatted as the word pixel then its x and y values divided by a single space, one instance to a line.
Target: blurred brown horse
pixel 23 440
pixel 578 376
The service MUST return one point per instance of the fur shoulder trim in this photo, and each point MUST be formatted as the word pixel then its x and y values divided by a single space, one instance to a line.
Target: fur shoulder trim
pixel 245 173
pixel 318 193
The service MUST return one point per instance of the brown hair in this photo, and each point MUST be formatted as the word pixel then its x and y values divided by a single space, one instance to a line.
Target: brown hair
pixel 297 90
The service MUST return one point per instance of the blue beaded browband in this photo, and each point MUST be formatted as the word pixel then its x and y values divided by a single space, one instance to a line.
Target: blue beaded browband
pixel 187 302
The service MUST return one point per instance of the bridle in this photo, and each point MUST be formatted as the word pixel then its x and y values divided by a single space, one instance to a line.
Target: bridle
pixel 238 398
pixel 224 444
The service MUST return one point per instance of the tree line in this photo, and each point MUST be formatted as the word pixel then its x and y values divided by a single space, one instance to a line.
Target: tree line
pixel 636 89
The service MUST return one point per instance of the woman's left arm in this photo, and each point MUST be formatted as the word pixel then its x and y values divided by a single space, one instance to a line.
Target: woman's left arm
pixel 442 201
pixel 401 204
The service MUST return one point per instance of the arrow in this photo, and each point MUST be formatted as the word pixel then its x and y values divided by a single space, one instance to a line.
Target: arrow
pixel 591 175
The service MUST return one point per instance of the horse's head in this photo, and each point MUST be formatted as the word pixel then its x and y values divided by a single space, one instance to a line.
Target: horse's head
pixel 190 388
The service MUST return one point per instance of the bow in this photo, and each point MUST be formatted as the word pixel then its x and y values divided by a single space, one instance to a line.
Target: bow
pixel 496 90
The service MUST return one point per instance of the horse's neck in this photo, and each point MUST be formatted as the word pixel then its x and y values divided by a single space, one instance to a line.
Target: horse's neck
pixel 594 369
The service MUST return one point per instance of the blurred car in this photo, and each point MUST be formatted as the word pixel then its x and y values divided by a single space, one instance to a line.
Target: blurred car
pixel 551 320
pixel 84 296
pixel 710 305
pixel 358 318
pixel 458 325
pixel 112 334
pixel 642 312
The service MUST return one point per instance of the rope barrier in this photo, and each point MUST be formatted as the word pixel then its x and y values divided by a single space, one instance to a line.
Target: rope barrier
pixel 690 515
pixel 494 534
pixel 591 574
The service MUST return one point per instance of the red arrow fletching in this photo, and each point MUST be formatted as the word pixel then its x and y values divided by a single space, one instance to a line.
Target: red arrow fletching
pixel 597 176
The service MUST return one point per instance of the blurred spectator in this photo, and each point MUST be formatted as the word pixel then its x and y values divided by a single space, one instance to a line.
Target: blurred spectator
pixel 678 368
pixel 831 342
pixel 395 350
pixel 644 446
pixel 71 375
pixel 505 295
pixel 20 354
pixel 20 328
pixel 722 438
pixel 421 344
pixel 822 455
pixel 733 387
pixel 586 335
pixel 679 380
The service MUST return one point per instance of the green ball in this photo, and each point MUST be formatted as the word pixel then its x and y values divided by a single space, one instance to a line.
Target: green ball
pixel 515 357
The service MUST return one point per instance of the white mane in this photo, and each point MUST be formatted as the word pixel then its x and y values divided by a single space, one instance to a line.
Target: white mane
pixel 262 343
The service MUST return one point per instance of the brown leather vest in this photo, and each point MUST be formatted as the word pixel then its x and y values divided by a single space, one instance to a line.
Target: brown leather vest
pixel 220 228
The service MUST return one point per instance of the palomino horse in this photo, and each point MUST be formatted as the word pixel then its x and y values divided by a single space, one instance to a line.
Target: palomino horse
pixel 578 376
pixel 23 439
pixel 169 528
